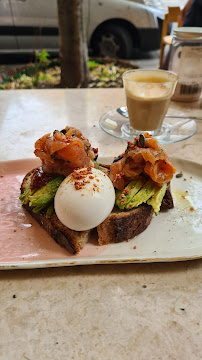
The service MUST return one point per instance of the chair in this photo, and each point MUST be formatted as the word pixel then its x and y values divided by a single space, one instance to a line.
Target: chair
pixel 173 16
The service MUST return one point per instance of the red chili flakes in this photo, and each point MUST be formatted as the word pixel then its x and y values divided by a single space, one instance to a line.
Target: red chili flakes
pixel 79 174
pixel 123 202
pixel 95 150
pixel 185 179
pixel 78 185
pixel 182 196
pixel 134 247
pixel 126 191
pixel 121 196
pixel 127 240
pixel 190 177
pixel 191 208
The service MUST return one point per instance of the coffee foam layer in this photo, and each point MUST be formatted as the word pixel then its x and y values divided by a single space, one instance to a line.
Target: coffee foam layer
pixel 147 91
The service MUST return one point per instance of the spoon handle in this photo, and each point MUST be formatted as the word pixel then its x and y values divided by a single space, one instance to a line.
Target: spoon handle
pixel 183 117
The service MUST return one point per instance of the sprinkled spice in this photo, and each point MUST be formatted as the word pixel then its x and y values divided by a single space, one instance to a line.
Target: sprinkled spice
pixel 191 208
pixel 81 175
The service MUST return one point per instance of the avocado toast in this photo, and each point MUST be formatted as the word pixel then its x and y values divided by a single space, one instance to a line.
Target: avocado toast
pixel 138 196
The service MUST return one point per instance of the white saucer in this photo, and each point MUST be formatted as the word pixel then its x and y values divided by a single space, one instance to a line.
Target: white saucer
pixel 174 129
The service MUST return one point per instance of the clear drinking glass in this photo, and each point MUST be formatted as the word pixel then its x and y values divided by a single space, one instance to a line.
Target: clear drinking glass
pixel 148 95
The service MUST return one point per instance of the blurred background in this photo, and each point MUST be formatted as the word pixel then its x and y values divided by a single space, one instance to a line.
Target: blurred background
pixel 115 29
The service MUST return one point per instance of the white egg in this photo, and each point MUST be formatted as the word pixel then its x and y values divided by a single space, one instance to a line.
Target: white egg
pixel 84 199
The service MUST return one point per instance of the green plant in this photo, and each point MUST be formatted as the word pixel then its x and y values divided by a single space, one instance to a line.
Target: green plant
pixel 42 57
pixel 41 62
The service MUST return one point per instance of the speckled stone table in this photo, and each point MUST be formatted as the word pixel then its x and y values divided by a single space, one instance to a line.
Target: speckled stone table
pixel 126 311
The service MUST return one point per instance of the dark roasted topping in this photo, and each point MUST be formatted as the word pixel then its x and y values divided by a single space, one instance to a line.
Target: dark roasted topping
pixel 179 175
pixel 118 158
pixel 40 178
pixel 142 140
pixel 63 131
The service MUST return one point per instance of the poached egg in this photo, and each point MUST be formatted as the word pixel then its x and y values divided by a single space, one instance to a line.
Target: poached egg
pixel 84 199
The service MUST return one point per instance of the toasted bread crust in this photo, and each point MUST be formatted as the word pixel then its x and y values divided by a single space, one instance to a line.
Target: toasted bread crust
pixel 123 225
pixel 167 202
pixel 71 240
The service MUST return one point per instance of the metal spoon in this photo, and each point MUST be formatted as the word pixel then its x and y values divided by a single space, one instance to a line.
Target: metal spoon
pixel 122 111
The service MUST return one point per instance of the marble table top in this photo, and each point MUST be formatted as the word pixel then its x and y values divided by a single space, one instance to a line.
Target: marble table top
pixel 126 311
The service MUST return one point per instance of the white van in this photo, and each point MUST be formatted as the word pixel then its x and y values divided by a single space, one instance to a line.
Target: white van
pixel 114 27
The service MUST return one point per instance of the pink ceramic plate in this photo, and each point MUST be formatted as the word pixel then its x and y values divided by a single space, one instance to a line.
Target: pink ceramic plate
pixel 176 235
pixel 23 241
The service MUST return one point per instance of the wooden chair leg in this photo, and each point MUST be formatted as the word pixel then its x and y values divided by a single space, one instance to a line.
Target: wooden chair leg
pixel 161 55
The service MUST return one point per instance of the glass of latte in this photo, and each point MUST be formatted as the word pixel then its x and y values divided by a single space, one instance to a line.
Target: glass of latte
pixel 148 95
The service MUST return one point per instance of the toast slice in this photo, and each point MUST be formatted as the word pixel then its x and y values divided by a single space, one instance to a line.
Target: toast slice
pixel 71 240
pixel 124 225
pixel 118 226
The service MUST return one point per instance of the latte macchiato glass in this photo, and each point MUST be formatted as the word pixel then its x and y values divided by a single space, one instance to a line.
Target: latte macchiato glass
pixel 148 95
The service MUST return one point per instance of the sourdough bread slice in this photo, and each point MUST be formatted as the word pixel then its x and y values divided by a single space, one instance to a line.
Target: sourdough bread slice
pixel 71 240
pixel 124 225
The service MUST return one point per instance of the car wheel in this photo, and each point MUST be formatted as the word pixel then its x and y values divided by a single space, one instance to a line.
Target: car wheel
pixel 113 41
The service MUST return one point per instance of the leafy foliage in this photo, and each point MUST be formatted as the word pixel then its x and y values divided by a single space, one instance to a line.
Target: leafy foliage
pixel 44 73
